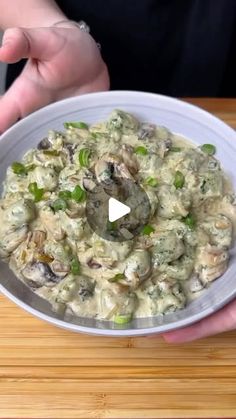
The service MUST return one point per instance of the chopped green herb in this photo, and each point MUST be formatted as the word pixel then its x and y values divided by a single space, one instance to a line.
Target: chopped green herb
pixel 175 149
pixel 179 180
pixel 190 221
pixel 122 318
pixel 117 277
pixel 65 195
pixel 111 226
pixel 59 205
pixel 78 194
pixel 84 156
pixel 36 192
pixel 51 153
pixel 19 168
pixel 142 151
pixel 209 149
pixel 151 181
pixel 147 230
pixel 80 125
pixel 75 266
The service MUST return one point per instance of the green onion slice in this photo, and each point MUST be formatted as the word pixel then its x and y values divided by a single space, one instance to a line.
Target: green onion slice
pixel 190 221
pixel 147 230
pixel 65 195
pixel 75 266
pixel 78 194
pixel 59 205
pixel 19 168
pixel 54 153
pixel 80 125
pixel 151 181
pixel 209 149
pixel 122 318
pixel 84 156
pixel 142 151
pixel 36 192
pixel 111 226
pixel 117 277
pixel 176 149
pixel 179 180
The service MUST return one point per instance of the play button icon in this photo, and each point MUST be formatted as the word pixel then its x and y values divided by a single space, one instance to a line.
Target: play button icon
pixel 116 210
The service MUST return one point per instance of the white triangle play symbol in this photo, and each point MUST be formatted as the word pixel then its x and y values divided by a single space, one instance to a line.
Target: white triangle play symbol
pixel 116 210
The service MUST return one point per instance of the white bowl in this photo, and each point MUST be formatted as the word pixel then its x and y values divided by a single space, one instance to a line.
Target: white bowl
pixel 180 117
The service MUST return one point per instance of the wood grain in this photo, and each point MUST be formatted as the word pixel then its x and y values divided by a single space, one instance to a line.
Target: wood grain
pixel 49 373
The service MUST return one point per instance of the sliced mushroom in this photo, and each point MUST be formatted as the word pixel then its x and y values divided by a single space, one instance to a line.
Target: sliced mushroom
pixel 38 274
pixel 146 131
pixel 89 181
pixel 129 158
pixel 71 148
pixel 138 267
pixel 93 264
pixel 108 167
pixel 219 229
pixel 51 222
pixel 44 144
pixel 195 284
pixel 38 238
pixel 13 239
pixel 212 256
pixel 211 263
pixel 164 147
pixel 60 269
pixel 210 273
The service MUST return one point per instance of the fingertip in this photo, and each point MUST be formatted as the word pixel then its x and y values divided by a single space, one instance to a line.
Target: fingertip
pixel 14 45
pixel 170 337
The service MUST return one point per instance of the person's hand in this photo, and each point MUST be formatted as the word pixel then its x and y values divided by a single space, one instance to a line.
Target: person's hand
pixel 62 62
pixel 222 321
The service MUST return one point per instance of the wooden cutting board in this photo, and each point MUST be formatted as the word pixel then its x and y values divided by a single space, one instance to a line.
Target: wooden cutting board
pixel 46 372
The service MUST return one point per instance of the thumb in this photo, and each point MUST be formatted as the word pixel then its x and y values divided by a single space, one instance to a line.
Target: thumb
pixel 221 321
pixel 39 43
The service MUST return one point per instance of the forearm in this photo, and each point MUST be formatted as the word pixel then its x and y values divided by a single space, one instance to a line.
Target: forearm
pixel 29 13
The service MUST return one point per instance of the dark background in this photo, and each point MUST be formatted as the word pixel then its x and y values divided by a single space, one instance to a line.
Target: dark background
pixel 173 47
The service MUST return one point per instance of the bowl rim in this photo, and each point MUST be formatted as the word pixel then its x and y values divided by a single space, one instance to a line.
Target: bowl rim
pixel 180 323
pixel 156 330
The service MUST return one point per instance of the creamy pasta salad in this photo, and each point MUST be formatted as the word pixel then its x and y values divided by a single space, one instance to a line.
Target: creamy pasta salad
pixel 184 246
